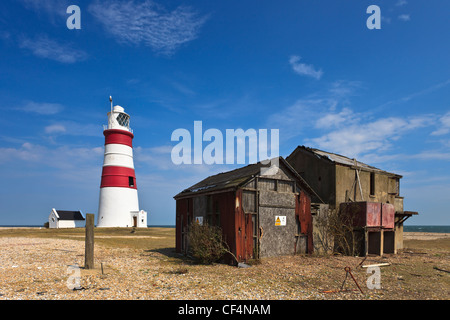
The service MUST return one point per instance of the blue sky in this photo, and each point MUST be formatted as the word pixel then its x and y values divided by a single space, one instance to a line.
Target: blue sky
pixel 311 69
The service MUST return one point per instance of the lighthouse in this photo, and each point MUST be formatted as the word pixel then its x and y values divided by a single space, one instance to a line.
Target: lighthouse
pixel 118 202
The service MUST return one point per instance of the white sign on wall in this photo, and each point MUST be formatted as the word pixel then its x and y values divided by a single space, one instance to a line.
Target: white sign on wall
pixel 199 220
pixel 280 220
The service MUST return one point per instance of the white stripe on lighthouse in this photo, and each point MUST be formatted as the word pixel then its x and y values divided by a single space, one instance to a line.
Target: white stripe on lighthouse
pixel 118 155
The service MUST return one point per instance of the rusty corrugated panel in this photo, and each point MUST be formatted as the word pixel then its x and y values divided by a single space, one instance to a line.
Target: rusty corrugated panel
pixel 362 214
pixel 226 202
pixel 369 214
pixel 372 214
pixel 303 213
pixel 242 227
pixel 239 220
pixel 387 215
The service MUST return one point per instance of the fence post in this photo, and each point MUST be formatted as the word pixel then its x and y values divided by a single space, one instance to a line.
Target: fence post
pixel 89 242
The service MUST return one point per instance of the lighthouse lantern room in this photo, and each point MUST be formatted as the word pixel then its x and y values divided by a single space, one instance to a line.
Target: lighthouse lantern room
pixel 118 203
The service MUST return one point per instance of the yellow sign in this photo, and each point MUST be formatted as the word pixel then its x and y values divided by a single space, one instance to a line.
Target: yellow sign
pixel 278 222
pixel 199 220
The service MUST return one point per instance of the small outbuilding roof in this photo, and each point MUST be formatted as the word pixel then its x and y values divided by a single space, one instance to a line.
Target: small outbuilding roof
pixel 69 215
pixel 235 178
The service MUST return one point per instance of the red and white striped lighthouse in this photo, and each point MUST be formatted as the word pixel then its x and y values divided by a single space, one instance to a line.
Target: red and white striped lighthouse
pixel 118 203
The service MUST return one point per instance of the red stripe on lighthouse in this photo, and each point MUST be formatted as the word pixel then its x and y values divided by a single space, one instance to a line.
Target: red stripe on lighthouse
pixel 118 136
pixel 122 177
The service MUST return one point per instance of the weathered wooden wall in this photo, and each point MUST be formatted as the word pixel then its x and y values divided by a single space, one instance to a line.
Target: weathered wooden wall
pixel 247 217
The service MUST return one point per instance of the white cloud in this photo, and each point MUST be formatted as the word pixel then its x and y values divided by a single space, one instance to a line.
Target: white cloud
pixel 55 128
pixel 304 113
pixel 445 125
pixel 304 69
pixel 331 124
pixel 344 88
pixel 415 94
pixel 334 119
pixel 74 128
pixel 401 3
pixel 323 110
pixel 148 23
pixel 368 136
pixel 44 47
pixel 385 19
pixel 52 8
pixel 432 155
pixel 61 157
pixel 404 17
pixel 44 108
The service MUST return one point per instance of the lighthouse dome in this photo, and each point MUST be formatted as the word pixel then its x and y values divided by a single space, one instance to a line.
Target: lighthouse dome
pixel 118 109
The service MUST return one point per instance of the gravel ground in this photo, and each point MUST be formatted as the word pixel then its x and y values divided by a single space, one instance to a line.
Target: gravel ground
pixel 41 268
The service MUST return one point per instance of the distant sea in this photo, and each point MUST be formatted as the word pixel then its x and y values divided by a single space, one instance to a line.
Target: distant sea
pixel 436 229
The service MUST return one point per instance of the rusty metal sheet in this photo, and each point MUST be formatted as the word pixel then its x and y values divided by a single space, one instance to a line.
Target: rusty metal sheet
pixel 373 214
pixel 387 215
pixel 362 214
pixel 303 213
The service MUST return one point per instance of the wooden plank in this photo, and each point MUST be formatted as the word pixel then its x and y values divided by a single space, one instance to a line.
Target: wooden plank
pixel 376 265
pixel 89 242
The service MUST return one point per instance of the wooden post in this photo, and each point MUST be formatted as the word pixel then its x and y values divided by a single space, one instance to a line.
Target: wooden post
pixel 89 242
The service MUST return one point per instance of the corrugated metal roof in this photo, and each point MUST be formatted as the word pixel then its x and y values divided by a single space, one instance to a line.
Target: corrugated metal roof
pixel 225 180
pixel 340 159
pixel 235 178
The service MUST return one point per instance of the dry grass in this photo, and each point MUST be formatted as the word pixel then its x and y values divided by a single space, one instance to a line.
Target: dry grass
pixel 146 238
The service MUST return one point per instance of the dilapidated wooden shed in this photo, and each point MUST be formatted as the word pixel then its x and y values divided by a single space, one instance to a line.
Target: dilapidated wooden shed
pixel 261 214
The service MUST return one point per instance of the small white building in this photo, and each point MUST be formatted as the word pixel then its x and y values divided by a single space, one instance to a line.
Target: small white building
pixel 66 219
pixel 139 219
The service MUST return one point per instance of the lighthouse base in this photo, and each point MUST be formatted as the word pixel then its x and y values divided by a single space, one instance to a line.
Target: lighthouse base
pixel 119 207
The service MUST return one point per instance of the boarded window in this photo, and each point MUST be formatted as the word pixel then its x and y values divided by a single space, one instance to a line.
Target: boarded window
pixel 267 184
pixel 285 186
pixel 394 186
pixel 249 201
